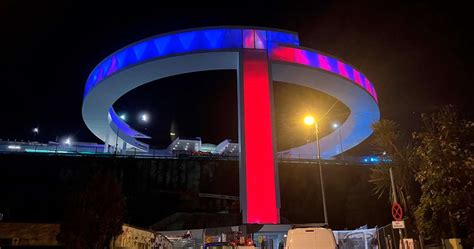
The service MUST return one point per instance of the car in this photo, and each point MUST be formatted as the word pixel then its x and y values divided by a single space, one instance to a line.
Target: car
pixel 310 238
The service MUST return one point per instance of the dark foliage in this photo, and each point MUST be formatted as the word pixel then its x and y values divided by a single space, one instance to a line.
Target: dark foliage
pixel 446 176
pixel 94 215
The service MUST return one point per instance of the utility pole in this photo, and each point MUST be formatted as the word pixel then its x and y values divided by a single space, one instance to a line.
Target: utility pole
pixel 321 174
pixel 395 200
pixel 116 140
pixel 340 143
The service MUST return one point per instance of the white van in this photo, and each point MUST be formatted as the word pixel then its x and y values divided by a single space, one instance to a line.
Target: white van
pixel 310 238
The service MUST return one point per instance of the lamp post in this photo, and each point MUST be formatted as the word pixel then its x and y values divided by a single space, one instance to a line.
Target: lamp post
pixel 335 126
pixel 309 120
pixel 35 132
pixel 122 117
pixel 394 193
pixel 116 141
pixel 144 118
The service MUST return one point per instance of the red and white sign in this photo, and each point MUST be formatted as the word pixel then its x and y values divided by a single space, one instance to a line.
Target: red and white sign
pixel 397 212
pixel 398 224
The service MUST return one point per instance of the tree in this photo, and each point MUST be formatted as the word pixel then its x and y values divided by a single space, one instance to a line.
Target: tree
pixel 446 176
pixel 399 155
pixel 94 214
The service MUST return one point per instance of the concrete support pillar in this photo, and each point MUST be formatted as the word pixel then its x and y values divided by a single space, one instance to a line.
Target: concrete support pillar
pixel 124 148
pixel 106 143
pixel 259 191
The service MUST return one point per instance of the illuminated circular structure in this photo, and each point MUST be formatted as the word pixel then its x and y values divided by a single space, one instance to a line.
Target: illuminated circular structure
pixel 259 56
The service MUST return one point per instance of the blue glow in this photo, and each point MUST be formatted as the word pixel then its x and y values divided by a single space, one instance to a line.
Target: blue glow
pixel 174 46
pixel 126 57
pixel 161 44
pixel 362 79
pixel 373 159
pixel 283 37
pixel 106 66
pixel 350 72
pixel 150 51
pixel 140 49
pixel 121 58
pixel 186 42
pixel 232 38
pixel 214 37
pixel 113 66
pixel 312 57
pixel 333 63
pixel 186 39
pixel 47 151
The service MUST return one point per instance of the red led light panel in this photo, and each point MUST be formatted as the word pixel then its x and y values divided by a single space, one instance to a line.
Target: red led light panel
pixel 259 155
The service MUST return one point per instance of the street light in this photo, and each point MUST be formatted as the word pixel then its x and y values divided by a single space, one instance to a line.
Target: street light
pixel 35 132
pixel 68 141
pixel 145 118
pixel 116 139
pixel 123 117
pixel 335 126
pixel 310 120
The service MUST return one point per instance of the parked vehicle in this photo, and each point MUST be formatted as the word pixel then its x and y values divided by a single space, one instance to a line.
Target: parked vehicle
pixel 310 238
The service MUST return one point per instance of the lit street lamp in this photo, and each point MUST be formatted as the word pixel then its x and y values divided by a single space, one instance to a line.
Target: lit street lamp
pixel 335 126
pixel 116 140
pixel 67 141
pixel 35 132
pixel 144 117
pixel 309 120
pixel 123 117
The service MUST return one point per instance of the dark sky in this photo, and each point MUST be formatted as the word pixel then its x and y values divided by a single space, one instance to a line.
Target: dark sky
pixel 417 53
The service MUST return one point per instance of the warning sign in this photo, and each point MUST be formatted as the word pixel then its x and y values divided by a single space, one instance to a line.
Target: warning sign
pixel 398 224
pixel 397 212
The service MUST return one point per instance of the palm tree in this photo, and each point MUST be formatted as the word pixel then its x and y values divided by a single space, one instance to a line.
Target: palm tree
pixel 398 154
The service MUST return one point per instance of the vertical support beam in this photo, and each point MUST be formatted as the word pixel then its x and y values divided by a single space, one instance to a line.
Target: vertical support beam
pixel 124 148
pixel 258 185
pixel 106 142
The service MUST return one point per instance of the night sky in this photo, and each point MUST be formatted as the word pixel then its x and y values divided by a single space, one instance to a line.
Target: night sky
pixel 417 54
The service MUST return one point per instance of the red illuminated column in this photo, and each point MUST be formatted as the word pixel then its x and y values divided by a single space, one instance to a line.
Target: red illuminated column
pixel 258 172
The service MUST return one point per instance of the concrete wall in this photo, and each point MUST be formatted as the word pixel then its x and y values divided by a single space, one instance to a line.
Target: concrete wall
pixel 33 188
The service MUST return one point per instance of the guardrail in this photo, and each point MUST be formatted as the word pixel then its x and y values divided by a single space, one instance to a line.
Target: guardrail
pixel 97 150
pixel 132 154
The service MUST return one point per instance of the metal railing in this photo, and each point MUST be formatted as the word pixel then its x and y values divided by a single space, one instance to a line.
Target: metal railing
pixel 97 150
